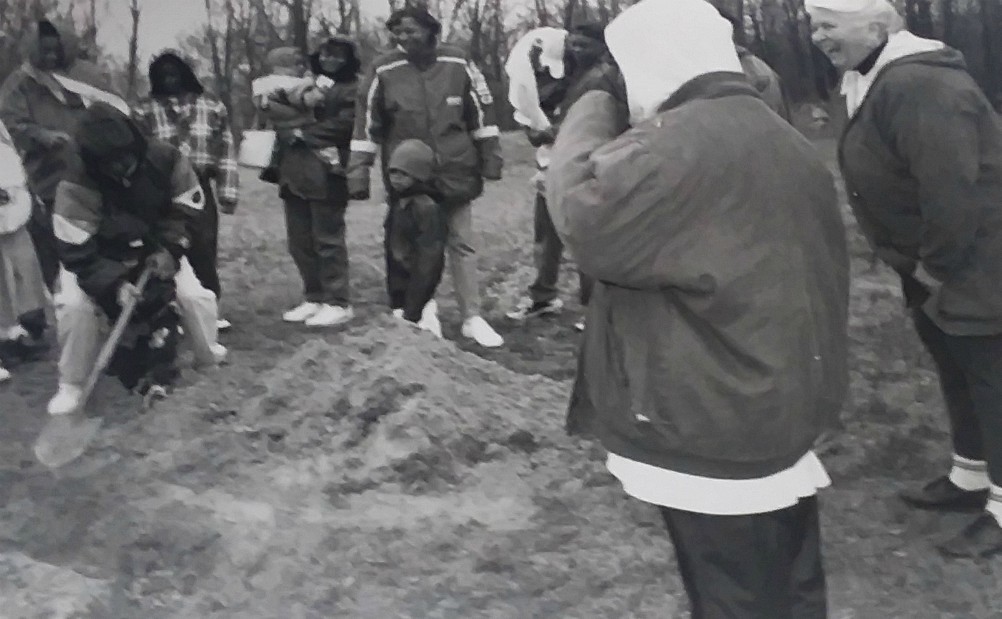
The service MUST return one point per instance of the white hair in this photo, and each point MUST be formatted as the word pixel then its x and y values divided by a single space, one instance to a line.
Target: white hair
pixel 872 11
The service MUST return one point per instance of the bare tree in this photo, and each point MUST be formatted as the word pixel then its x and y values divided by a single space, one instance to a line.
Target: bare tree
pixel 133 66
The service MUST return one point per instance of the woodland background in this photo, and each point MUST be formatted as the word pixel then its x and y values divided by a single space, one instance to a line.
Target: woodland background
pixel 232 42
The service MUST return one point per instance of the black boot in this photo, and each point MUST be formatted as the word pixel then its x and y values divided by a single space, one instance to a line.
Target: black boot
pixel 982 539
pixel 941 494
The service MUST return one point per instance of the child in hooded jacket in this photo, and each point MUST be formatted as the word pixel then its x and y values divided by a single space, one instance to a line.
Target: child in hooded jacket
pixel 416 232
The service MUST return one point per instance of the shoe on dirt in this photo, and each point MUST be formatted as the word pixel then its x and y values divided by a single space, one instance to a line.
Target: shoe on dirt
pixel 981 539
pixel 155 393
pixel 219 352
pixel 941 494
pixel 4 375
pixel 329 316
pixel 429 319
pixel 579 326
pixel 66 400
pixel 301 312
pixel 527 309
pixel 398 314
pixel 477 329
pixel 223 325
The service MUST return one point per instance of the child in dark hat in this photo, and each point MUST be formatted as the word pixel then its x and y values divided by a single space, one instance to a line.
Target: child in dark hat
pixel 415 236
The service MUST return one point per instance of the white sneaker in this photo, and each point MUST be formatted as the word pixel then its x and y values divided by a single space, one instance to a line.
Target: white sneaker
pixel 4 374
pixel 429 319
pixel 223 325
pixel 476 328
pixel 219 352
pixel 66 400
pixel 330 315
pixel 398 314
pixel 301 312
pixel 579 326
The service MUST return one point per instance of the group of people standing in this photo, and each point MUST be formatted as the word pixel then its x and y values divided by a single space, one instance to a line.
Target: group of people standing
pixel 706 229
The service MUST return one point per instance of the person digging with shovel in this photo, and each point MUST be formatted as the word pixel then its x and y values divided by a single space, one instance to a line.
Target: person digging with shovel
pixel 128 205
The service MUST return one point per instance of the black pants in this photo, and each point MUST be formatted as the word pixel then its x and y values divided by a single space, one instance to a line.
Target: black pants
pixel 760 566
pixel 970 377
pixel 44 237
pixel 548 251
pixel 204 252
pixel 414 244
pixel 316 237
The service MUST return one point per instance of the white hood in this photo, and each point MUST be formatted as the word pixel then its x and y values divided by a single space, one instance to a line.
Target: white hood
pixel 660 45
pixel 522 92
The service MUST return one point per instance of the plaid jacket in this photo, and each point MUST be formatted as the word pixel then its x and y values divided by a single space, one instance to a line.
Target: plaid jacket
pixel 198 126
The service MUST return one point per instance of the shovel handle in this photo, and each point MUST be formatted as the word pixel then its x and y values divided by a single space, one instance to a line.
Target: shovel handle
pixel 108 350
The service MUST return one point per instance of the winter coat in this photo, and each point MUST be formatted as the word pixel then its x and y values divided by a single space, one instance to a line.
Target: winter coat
pixel 32 102
pixel 922 160
pixel 448 106
pixel 105 230
pixel 305 169
pixel 716 341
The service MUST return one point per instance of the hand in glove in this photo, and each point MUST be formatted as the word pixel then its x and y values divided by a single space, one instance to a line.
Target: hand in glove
pixel 358 182
pixel 127 291
pixel 162 265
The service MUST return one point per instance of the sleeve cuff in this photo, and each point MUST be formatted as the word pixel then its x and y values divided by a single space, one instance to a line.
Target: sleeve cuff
pixel 364 146
pixel 490 131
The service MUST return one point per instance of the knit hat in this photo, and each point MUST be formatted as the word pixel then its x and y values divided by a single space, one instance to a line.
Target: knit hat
pixel 861 11
pixel 104 131
pixel 285 57
pixel 415 158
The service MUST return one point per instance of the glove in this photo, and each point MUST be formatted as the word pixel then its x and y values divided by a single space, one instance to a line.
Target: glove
pixel 127 291
pixel 162 264
pixel 358 182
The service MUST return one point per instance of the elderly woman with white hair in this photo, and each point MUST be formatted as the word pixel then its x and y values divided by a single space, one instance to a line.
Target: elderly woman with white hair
pixel 922 161
pixel 715 353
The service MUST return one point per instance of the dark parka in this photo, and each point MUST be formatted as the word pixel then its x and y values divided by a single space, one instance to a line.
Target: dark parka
pixel 922 160
pixel 716 341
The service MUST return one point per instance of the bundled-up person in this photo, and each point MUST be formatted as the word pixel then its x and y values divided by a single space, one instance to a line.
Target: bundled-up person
pixel 431 92
pixel 922 162
pixel 40 103
pixel 180 112
pixel 311 178
pixel 273 97
pixel 416 232
pixel 715 354
pixel 127 202
pixel 22 288
pixel 587 65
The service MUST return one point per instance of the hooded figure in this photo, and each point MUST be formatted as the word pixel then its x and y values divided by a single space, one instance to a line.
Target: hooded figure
pixel 40 104
pixel 715 354
pixel 180 112
pixel 922 162
pixel 128 202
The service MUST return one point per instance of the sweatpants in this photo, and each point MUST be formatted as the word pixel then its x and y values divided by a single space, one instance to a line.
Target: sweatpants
pixel 970 377
pixel 82 327
pixel 204 251
pixel 415 255
pixel 316 238
pixel 548 250
pixel 463 259
pixel 759 566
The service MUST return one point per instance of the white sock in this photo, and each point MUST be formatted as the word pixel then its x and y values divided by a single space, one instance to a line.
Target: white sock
pixel 994 506
pixel 969 474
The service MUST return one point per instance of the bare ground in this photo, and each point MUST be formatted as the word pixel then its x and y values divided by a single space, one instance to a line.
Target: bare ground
pixel 375 472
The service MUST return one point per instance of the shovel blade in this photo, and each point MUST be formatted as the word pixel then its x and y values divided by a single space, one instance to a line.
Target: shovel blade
pixel 65 438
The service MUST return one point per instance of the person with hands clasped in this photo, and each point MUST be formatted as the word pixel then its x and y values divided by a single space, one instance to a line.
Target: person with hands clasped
pixel 127 203
pixel 434 93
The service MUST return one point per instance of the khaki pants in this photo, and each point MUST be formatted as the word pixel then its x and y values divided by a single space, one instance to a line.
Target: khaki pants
pixel 463 260
pixel 82 326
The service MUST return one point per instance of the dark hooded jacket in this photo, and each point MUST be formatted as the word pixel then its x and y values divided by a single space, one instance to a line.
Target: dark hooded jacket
pixel 302 172
pixel 32 103
pixel 104 229
pixel 922 160
pixel 193 122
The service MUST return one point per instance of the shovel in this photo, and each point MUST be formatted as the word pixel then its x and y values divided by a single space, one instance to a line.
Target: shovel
pixel 66 437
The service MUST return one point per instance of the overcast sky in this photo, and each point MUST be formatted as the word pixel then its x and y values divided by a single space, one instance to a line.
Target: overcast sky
pixel 162 22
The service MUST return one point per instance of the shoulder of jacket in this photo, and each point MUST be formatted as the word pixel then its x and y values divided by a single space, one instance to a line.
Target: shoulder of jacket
pixel 388 59
pixel 162 155
pixel 451 53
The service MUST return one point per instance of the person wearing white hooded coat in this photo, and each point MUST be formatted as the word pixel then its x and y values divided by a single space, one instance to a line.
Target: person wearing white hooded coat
pixel 716 351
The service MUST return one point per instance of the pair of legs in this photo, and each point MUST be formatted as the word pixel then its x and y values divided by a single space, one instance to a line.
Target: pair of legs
pixel 548 252
pixel 82 326
pixel 758 566
pixel 414 243
pixel 317 243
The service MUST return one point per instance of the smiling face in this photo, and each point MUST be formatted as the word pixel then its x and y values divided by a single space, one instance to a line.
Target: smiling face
pixel 846 39
pixel 332 58
pixel 414 38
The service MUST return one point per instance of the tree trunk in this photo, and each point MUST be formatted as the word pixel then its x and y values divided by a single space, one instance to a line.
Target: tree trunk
pixel 947 11
pixel 133 67
pixel 988 32
pixel 739 29
pixel 542 16
pixel 299 25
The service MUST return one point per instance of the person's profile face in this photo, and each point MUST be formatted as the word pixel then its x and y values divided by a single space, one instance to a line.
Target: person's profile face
pixel 585 51
pixel 400 180
pixel 844 38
